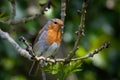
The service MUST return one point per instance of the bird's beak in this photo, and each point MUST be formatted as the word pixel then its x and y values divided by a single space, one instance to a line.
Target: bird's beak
pixel 62 26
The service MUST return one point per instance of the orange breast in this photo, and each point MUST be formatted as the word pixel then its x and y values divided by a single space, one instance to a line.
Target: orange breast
pixel 53 36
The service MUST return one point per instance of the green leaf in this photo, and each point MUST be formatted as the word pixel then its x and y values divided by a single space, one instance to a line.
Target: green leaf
pixel 3 16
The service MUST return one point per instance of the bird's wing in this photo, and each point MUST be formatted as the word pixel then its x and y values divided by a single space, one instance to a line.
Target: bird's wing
pixel 40 45
pixel 39 34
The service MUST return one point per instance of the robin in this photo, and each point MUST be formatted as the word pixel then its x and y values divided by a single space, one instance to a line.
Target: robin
pixel 47 42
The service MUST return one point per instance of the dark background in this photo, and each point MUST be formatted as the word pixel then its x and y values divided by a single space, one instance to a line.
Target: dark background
pixel 102 24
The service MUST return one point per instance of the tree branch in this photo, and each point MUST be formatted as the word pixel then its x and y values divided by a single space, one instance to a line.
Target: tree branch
pixel 63 10
pixel 92 53
pixel 21 51
pixel 26 54
pixel 24 20
pixel 80 31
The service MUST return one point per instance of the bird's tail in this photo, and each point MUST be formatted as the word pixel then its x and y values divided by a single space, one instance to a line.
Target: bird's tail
pixel 34 68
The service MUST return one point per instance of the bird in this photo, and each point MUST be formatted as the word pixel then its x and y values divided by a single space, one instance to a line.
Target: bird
pixel 47 42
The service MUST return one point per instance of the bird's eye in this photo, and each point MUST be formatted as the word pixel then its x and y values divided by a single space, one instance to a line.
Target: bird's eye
pixel 55 22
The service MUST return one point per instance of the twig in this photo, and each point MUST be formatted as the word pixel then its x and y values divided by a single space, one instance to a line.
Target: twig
pixel 80 31
pixel 63 10
pixel 24 20
pixel 29 46
pixel 92 53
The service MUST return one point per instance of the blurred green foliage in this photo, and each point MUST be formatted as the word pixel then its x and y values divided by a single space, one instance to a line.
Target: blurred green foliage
pixel 63 70
pixel 102 24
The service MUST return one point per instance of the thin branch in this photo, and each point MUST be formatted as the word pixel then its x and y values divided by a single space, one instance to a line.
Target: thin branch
pixel 29 46
pixel 63 10
pixel 24 20
pixel 92 53
pixel 80 31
